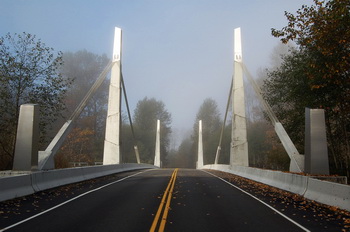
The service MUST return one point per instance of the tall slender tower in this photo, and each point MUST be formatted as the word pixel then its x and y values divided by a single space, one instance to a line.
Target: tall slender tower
pixel 111 153
pixel 157 149
pixel 200 146
pixel 239 144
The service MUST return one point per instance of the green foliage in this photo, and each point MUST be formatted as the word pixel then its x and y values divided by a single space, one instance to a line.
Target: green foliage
pixel 288 91
pixel 225 145
pixel 265 149
pixel 29 73
pixel 146 114
pixel 316 75
pixel 127 144
pixel 183 157
pixel 323 33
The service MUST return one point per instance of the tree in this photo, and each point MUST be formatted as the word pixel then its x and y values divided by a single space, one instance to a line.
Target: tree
pixel 265 149
pixel 146 114
pixel 286 89
pixel 316 74
pixel 127 144
pixel 128 140
pixel 29 73
pixel 76 149
pixel 184 157
pixel 84 68
pixel 322 33
pixel 209 114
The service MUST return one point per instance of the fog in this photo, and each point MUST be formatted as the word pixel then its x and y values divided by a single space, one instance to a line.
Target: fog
pixel 179 52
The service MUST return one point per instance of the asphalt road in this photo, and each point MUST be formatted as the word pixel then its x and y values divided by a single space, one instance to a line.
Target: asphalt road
pixel 186 200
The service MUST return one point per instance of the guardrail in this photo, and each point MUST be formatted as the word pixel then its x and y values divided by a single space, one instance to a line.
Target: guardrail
pixel 29 183
pixel 324 192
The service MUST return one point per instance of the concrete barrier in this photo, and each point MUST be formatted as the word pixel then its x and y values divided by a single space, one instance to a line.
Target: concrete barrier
pixel 22 185
pixel 286 181
pixel 15 186
pixel 54 178
pixel 105 170
pixel 329 193
pixel 324 192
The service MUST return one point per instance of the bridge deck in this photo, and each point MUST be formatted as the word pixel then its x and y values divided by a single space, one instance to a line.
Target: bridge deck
pixel 199 202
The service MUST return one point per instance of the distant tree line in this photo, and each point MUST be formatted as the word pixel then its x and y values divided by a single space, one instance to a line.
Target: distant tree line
pixel 313 73
pixel 265 150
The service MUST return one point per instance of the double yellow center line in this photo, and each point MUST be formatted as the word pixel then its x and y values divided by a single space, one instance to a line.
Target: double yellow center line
pixel 165 202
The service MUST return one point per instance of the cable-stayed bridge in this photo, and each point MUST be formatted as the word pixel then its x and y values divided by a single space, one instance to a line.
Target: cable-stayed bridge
pixel 141 197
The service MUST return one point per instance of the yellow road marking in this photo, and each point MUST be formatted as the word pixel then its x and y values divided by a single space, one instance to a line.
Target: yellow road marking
pixel 165 199
pixel 167 207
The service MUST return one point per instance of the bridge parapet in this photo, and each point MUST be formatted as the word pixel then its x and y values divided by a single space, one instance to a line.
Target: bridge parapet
pixel 324 192
pixel 23 184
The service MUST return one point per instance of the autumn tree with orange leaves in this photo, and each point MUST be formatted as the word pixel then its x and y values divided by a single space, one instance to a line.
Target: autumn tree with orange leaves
pixel 77 148
pixel 316 74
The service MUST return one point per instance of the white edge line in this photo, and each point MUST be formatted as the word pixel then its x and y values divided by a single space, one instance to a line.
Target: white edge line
pixel 269 206
pixel 74 198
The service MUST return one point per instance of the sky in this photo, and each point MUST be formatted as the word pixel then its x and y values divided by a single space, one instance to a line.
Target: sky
pixel 177 51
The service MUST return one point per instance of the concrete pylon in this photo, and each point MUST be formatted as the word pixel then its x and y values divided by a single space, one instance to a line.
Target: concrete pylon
pixel 239 143
pixel 200 146
pixel 316 151
pixel 27 140
pixel 111 153
pixel 157 150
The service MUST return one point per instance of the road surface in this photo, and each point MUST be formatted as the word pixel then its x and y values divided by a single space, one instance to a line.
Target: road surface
pixel 156 200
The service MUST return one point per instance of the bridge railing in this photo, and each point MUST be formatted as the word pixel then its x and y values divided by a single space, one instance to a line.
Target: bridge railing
pixel 27 183
pixel 325 192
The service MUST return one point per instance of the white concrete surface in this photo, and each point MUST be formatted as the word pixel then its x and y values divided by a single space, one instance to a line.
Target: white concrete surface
pixel 296 160
pixel 26 184
pixel 200 146
pixel 329 193
pixel 239 143
pixel 316 151
pixel 111 153
pixel 15 186
pixel 46 158
pixel 27 138
pixel 157 148
pixel 324 192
